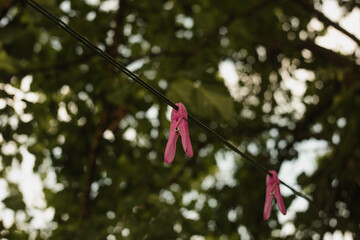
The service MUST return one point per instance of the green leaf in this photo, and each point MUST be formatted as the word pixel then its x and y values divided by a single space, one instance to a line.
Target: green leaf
pixel 206 100
pixel 220 102
pixel 14 202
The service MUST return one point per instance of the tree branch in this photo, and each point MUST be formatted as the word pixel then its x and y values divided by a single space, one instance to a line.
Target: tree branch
pixel 109 119
pixel 327 21
pixel 90 167
pixel 58 65
pixel 323 53
pixel 120 22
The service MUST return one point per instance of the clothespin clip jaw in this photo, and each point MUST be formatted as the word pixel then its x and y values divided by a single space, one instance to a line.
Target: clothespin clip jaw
pixel 273 190
pixel 178 127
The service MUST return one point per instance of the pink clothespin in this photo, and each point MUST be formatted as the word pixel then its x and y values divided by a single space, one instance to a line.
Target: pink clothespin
pixel 273 189
pixel 178 126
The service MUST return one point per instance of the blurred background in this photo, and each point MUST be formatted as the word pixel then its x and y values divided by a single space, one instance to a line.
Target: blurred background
pixel 82 146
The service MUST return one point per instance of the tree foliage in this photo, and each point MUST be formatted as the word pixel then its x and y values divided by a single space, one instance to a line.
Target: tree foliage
pixel 104 136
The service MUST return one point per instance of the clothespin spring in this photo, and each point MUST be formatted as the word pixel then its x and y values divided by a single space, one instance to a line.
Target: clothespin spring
pixel 272 189
pixel 176 127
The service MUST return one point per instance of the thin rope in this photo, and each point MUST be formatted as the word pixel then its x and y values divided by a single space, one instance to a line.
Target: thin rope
pixel 148 87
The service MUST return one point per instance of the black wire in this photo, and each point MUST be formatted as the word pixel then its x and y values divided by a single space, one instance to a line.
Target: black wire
pixel 131 75
pixel 229 145
pixel 303 196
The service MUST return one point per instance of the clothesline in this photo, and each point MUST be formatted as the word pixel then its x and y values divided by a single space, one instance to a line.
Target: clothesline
pixel 148 87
